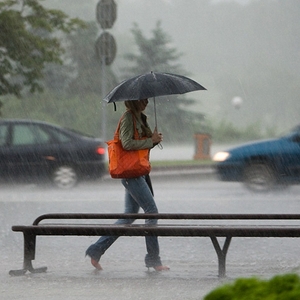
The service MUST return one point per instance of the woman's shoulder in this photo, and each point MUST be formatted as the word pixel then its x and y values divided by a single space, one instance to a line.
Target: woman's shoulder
pixel 127 113
pixel 127 116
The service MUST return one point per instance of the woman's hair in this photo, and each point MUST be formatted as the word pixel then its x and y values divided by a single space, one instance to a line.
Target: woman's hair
pixel 132 105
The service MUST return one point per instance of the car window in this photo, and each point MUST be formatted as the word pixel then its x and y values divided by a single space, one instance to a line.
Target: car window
pixel 3 134
pixel 29 134
pixel 60 136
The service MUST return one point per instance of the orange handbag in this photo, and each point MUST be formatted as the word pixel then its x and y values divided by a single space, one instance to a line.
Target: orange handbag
pixel 127 163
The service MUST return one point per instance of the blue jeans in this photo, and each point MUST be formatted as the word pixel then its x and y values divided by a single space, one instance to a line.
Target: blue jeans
pixel 137 194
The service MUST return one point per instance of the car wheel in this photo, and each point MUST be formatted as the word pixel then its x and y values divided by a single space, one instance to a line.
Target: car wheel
pixel 259 178
pixel 65 177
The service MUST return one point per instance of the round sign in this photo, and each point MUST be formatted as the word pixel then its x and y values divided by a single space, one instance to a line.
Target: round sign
pixel 106 13
pixel 106 48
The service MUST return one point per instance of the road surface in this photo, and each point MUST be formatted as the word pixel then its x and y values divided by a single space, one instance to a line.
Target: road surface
pixel 193 261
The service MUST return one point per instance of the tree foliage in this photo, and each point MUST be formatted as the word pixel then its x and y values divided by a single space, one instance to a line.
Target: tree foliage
pixel 157 54
pixel 88 69
pixel 280 287
pixel 29 39
pixel 154 53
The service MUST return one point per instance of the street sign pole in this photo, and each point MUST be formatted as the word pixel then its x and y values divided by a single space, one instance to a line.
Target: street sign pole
pixel 106 14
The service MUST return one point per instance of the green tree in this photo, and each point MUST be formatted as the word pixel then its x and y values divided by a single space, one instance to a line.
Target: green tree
pixel 29 39
pixel 87 67
pixel 156 54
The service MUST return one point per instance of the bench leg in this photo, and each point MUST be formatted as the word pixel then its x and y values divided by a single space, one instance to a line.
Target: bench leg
pixel 221 253
pixel 29 255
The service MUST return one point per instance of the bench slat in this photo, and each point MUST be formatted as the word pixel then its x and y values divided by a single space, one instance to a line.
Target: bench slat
pixel 161 230
pixel 171 216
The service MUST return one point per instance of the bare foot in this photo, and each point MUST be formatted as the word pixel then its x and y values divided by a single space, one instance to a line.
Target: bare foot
pixel 96 264
pixel 161 268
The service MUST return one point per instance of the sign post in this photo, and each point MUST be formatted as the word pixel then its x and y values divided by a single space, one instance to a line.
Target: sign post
pixel 106 48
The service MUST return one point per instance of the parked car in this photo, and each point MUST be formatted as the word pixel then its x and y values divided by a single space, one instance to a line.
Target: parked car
pixel 37 151
pixel 263 165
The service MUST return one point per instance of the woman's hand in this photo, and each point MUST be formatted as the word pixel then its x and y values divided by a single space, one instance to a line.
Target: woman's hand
pixel 157 137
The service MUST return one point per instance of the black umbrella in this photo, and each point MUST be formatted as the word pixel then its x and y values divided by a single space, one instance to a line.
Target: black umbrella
pixel 151 85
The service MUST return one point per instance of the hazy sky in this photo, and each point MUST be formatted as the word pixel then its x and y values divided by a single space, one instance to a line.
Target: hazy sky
pixel 204 46
pixel 179 24
pixel 185 35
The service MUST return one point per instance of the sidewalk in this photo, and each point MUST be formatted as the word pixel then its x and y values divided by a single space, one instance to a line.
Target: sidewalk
pixel 182 152
pixel 205 170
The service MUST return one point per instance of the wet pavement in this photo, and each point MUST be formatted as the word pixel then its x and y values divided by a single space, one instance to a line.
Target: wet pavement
pixel 193 261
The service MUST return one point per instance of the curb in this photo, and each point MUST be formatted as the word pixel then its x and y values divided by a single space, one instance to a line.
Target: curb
pixel 205 170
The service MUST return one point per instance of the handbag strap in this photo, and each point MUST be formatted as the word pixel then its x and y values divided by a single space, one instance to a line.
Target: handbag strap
pixel 136 134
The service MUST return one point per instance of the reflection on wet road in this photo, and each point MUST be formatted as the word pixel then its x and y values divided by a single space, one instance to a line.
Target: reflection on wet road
pixel 193 261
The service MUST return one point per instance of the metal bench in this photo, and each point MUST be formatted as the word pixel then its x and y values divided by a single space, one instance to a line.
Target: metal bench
pixel 184 225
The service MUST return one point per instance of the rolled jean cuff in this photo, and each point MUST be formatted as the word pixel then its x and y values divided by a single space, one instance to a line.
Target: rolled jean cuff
pixel 152 261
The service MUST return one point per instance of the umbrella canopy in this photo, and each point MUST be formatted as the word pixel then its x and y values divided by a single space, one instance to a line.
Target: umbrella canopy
pixel 151 85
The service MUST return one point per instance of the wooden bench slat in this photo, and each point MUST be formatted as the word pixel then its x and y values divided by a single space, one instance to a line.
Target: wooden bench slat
pixel 168 216
pixel 160 230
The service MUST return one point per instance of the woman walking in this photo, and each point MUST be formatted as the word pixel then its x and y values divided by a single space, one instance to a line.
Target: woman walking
pixel 138 191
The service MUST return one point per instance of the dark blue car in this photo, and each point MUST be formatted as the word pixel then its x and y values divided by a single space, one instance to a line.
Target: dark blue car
pixel 263 165
pixel 34 151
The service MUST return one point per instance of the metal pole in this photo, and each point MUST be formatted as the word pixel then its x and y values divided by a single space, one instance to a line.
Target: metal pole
pixel 103 88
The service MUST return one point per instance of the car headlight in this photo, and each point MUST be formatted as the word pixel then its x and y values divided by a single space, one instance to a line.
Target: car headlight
pixel 221 156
